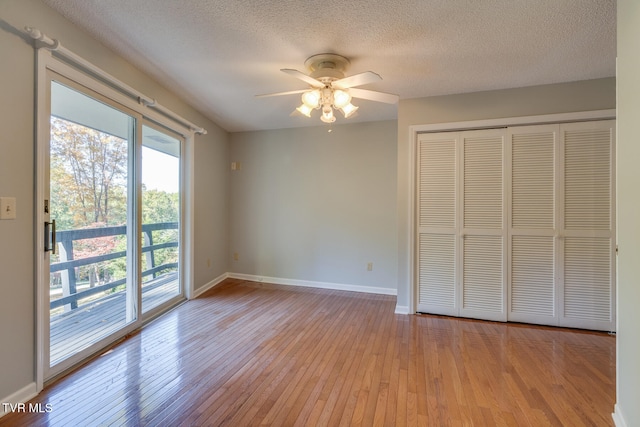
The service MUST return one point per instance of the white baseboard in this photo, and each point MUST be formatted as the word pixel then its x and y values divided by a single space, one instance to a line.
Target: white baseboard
pixel 312 284
pixel 23 395
pixel 212 284
pixel 618 418
pixel 402 309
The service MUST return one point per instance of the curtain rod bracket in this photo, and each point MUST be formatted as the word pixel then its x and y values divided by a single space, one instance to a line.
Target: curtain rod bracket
pixel 54 45
pixel 147 102
pixel 37 35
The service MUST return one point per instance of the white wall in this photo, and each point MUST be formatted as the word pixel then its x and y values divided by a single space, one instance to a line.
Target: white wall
pixel 17 280
pixel 313 205
pixel 628 178
pixel 528 101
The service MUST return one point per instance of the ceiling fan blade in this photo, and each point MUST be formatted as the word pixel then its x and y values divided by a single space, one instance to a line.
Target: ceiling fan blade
pixel 302 76
pixel 357 80
pixel 372 95
pixel 291 92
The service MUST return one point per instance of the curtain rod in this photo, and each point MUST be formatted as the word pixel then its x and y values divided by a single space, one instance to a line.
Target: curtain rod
pixel 55 46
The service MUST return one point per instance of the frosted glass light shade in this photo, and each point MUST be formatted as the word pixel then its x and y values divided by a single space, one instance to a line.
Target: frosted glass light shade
pixel 341 98
pixel 311 98
pixel 349 110
pixel 305 109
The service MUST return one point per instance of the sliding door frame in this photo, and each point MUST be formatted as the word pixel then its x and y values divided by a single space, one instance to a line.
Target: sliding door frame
pixel 47 63
pixel 416 130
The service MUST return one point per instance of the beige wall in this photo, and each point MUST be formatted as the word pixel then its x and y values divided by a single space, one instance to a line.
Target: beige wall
pixel 317 206
pixel 17 282
pixel 628 178
pixel 528 101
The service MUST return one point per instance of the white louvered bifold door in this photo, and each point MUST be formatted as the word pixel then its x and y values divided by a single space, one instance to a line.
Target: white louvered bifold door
pixel 483 236
pixel 436 217
pixel 587 228
pixel 532 276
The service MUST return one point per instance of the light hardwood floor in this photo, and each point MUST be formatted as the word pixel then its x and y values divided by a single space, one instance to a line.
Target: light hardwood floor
pixel 248 354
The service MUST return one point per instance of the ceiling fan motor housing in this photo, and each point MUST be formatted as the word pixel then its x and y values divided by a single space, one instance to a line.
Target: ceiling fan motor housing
pixel 327 67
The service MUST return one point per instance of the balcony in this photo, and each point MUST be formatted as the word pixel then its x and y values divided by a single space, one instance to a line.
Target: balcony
pixel 84 311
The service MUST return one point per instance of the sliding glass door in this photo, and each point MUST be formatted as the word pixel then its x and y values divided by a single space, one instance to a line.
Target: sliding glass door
pixel 112 221
pixel 92 264
pixel 160 216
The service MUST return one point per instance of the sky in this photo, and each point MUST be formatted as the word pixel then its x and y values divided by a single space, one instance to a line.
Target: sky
pixel 160 171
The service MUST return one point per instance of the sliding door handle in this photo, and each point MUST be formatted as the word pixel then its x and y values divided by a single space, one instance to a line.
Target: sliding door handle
pixel 50 236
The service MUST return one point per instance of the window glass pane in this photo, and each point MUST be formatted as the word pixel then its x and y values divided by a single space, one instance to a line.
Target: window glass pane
pixel 91 283
pixel 160 217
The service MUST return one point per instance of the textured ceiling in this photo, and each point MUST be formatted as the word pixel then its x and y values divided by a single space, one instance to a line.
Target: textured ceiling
pixel 218 54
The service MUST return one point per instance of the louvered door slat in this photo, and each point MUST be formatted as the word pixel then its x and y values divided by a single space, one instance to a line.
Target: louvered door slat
pixel 587 278
pixel 483 191
pixel 482 273
pixel 437 183
pixel 587 179
pixel 437 272
pixel 533 180
pixel 532 276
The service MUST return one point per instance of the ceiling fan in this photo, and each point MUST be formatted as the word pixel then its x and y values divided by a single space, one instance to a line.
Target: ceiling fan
pixel 330 89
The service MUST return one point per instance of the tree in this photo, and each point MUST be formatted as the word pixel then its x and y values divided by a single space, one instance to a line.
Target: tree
pixel 88 176
pixel 89 173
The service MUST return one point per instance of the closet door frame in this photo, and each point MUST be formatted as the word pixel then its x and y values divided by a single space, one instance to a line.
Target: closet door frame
pixel 416 130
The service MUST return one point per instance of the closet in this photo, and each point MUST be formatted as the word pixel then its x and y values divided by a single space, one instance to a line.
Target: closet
pixel 518 224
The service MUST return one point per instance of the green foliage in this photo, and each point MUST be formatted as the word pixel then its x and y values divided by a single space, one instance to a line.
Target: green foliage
pixel 160 207
pixel 88 175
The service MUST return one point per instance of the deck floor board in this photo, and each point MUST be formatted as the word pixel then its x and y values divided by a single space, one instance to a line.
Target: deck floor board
pixel 77 329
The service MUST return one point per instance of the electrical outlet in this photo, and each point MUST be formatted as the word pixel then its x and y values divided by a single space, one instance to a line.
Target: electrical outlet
pixel 235 256
pixel 208 262
pixel 370 266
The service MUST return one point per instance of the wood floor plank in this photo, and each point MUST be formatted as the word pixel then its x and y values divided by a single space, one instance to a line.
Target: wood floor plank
pixel 253 354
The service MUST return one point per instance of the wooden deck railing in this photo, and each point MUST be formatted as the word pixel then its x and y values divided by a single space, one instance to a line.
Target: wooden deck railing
pixel 68 264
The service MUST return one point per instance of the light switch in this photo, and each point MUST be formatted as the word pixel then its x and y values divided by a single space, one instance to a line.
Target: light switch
pixel 7 208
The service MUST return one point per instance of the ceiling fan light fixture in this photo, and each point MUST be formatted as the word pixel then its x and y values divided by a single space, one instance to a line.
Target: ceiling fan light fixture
pixel 311 98
pixel 341 98
pixel 305 110
pixel 328 88
pixel 349 110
